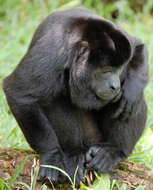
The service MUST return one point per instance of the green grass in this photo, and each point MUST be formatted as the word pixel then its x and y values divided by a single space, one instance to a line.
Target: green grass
pixel 18 21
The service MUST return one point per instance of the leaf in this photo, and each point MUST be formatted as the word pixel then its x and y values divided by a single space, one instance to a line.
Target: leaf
pixel 23 184
pixel 34 175
pixel 140 187
pixel 74 178
pixel 59 169
pixel 124 187
pixel 113 184
pixel 44 187
pixel 2 182
pixel 17 172
pixel 103 183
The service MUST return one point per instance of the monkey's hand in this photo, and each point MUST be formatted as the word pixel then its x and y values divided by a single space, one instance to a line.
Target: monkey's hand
pixel 128 104
pixel 102 158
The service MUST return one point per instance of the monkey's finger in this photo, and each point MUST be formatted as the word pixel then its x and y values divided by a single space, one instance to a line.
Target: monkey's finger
pixel 93 165
pixel 117 97
pixel 120 109
pixel 91 153
pixel 127 112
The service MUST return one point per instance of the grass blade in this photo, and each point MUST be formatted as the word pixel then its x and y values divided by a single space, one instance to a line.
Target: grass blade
pixel 59 169
pixel 17 172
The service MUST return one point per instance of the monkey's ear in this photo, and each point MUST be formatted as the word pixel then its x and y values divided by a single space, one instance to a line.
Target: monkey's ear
pixel 84 44
pixel 83 48
pixel 82 52
pixel 79 54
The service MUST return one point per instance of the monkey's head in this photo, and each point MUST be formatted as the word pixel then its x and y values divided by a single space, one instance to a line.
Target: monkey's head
pixel 97 70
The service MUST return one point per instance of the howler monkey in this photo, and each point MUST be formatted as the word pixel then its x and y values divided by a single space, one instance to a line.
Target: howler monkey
pixel 77 94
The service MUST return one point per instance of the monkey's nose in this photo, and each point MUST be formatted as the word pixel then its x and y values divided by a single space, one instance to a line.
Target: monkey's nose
pixel 115 87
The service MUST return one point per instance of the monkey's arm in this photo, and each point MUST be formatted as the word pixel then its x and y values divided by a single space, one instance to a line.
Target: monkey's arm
pixel 134 83
pixel 26 89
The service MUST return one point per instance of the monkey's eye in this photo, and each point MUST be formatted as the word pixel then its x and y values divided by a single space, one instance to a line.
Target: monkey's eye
pixel 97 74
pixel 102 73
pixel 106 69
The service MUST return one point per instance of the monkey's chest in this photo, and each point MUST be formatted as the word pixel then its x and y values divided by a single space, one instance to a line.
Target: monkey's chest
pixel 74 128
pixel 92 133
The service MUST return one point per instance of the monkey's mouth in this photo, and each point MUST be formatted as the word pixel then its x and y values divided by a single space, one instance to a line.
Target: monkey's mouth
pixel 106 96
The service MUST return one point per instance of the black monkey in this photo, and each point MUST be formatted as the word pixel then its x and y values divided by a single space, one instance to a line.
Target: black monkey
pixel 77 94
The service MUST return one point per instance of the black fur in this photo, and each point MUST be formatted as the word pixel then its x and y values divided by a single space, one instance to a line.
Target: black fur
pixel 77 94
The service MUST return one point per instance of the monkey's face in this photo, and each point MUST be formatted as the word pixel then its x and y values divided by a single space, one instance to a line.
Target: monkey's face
pixel 106 83
pixel 95 83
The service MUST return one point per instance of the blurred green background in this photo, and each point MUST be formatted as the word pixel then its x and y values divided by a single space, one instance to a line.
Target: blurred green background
pixel 18 21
